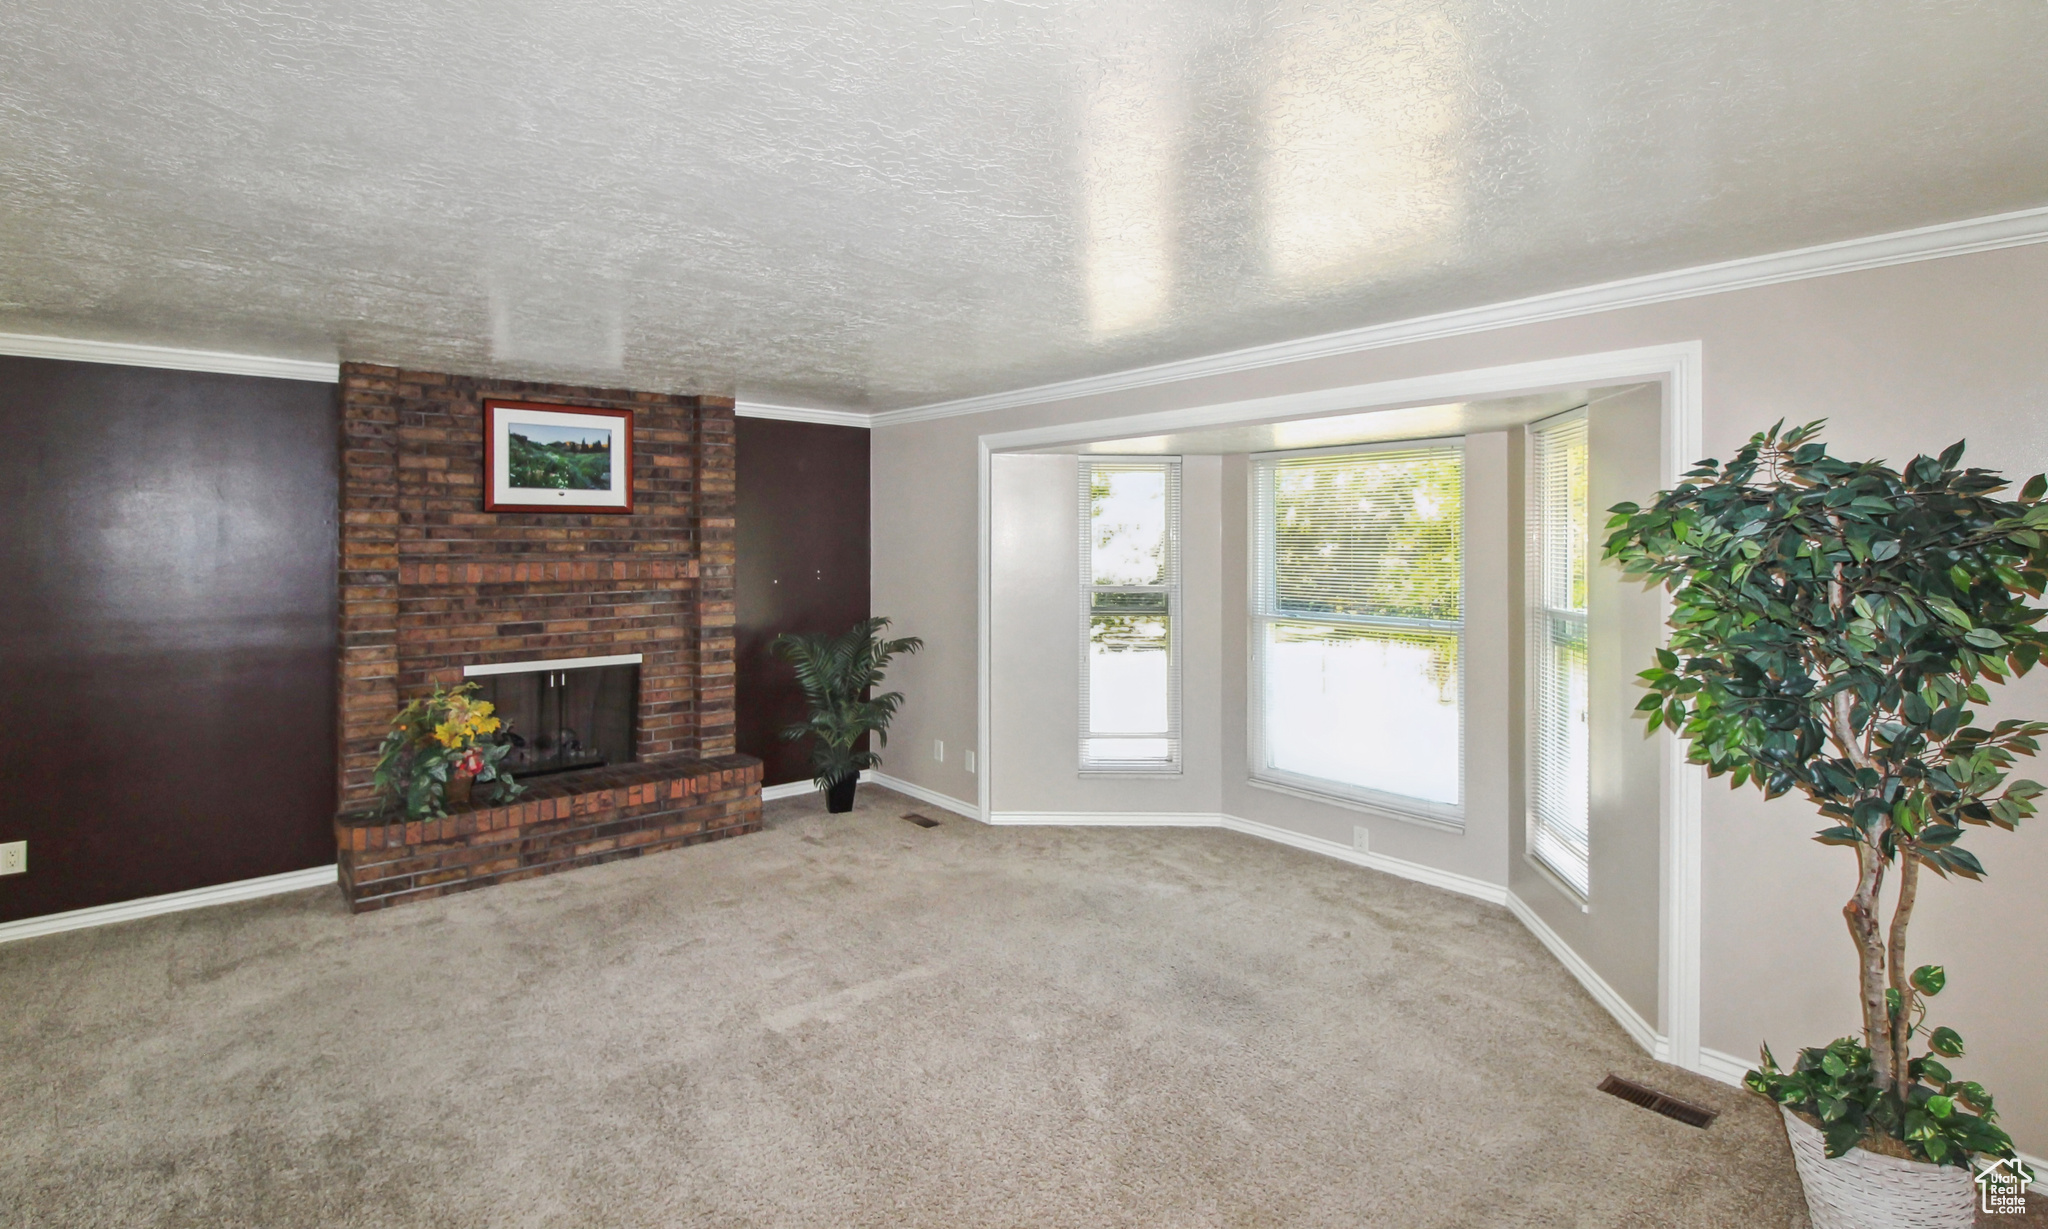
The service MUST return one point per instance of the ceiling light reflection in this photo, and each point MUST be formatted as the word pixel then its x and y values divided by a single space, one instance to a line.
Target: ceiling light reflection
pixel 1130 125
pixel 1364 119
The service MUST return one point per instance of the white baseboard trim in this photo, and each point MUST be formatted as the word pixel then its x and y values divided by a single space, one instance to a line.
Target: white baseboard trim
pixel 945 802
pixel 797 789
pixel 171 902
pixel 1629 1018
pixel 792 789
pixel 1722 1066
pixel 1109 819
pixel 1450 881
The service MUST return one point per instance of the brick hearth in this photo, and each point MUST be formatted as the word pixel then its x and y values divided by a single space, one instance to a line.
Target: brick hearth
pixel 431 583
pixel 560 822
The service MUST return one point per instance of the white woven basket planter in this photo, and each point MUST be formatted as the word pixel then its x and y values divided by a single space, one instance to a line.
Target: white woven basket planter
pixel 1864 1190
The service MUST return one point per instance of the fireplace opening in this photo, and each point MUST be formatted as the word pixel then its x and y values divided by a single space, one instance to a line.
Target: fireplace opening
pixel 563 715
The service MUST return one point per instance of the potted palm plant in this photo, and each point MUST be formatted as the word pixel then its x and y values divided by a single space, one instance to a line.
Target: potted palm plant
pixel 1832 623
pixel 836 674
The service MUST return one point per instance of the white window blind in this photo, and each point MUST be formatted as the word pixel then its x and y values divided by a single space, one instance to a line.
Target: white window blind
pixel 1358 625
pixel 1560 546
pixel 1130 611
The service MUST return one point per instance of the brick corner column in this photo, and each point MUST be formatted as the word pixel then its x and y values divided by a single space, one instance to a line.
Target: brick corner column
pixel 368 593
pixel 716 613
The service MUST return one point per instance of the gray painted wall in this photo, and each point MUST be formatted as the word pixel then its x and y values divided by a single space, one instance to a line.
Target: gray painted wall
pixel 1035 685
pixel 1901 359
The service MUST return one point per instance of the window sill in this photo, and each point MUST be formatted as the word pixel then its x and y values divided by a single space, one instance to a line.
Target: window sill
pixel 1556 880
pixel 1133 772
pixel 1348 803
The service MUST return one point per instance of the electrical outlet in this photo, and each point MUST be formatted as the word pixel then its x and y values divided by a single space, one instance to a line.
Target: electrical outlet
pixel 968 759
pixel 14 858
pixel 938 751
pixel 1361 838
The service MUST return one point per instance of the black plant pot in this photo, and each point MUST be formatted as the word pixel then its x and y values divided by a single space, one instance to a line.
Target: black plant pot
pixel 839 795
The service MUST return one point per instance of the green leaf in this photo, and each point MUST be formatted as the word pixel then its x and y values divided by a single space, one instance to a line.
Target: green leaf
pixel 2036 486
pixel 1945 1042
pixel 1841 1137
pixel 1928 979
pixel 1940 1107
pixel 1948 610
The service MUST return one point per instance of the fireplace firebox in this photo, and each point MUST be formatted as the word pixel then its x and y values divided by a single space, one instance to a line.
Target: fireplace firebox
pixel 564 715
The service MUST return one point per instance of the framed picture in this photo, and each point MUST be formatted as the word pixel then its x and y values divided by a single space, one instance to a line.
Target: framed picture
pixel 557 458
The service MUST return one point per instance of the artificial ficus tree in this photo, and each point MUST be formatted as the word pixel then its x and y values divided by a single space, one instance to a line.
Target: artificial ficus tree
pixel 1832 623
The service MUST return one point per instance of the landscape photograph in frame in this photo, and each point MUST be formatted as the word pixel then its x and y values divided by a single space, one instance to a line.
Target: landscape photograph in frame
pixel 557 458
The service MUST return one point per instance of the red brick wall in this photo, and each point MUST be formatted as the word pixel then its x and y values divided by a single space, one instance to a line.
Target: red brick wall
pixel 430 582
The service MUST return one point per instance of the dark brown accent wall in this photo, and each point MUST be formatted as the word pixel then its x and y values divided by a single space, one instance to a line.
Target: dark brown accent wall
pixel 430 582
pixel 167 589
pixel 802 567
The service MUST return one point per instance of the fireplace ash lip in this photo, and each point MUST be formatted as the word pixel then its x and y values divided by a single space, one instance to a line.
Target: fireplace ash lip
pixel 489 668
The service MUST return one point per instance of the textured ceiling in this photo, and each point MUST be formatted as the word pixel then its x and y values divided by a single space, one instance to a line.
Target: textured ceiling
pixel 886 203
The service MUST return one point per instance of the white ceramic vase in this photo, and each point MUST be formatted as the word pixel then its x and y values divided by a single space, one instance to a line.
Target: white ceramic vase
pixel 1864 1190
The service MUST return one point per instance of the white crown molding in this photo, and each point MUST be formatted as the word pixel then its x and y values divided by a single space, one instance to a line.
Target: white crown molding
pixel 173 902
pixel 129 354
pixel 1847 256
pixel 798 413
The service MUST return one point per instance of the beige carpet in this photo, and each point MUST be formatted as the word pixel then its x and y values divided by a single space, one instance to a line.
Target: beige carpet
pixel 850 1020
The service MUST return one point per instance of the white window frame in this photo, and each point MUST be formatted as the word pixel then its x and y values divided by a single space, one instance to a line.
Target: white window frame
pixel 1265 611
pixel 1541 615
pixel 1170 766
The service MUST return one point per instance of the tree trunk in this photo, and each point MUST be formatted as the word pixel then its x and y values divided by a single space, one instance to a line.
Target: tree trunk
pixel 1902 916
pixel 1867 929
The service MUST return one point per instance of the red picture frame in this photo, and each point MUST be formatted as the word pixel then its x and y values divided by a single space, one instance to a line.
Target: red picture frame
pixel 566 458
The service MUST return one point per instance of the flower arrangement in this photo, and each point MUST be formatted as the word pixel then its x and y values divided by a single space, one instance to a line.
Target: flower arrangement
pixel 438 745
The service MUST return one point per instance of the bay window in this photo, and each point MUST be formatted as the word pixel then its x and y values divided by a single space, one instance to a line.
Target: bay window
pixel 1560 548
pixel 1130 611
pixel 1358 626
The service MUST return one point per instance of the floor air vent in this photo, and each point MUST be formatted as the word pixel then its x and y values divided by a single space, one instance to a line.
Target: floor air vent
pixel 1650 1099
pixel 922 821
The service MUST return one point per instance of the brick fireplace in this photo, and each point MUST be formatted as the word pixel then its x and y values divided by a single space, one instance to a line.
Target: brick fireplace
pixel 431 584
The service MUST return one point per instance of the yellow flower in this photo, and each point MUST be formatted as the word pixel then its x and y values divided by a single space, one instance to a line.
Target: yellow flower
pixel 489 725
pixel 448 734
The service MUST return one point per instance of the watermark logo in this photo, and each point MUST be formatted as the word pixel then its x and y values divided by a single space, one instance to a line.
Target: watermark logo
pixel 2002 1187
